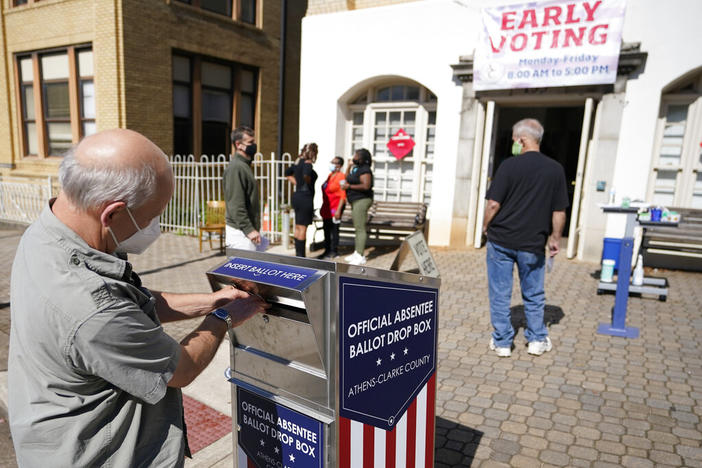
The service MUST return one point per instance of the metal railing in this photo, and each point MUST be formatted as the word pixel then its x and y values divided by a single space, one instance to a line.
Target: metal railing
pixel 23 198
pixel 198 181
pixel 275 194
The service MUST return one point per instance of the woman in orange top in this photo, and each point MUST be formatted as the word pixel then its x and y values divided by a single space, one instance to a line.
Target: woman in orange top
pixel 334 198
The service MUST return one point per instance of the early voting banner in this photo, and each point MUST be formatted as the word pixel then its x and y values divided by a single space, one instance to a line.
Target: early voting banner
pixel 388 337
pixel 274 436
pixel 549 43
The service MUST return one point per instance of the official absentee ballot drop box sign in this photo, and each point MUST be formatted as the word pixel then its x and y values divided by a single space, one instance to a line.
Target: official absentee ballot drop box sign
pixel 341 370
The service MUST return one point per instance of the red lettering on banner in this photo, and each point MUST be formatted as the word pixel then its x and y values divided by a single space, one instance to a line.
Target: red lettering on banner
pixel 569 17
pixel 554 42
pixel 560 38
pixel 502 44
pixel 570 35
pixel 552 14
pixel 506 20
pixel 529 17
pixel 524 40
pixel 591 10
pixel 601 39
pixel 539 35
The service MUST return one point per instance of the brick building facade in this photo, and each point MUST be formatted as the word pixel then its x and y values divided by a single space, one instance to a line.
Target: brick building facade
pixel 181 72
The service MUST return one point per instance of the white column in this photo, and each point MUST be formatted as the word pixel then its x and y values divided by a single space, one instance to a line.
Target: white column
pixel 474 175
pixel 485 162
pixel 573 230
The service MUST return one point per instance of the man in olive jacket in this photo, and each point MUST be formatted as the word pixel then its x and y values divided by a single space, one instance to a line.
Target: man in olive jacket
pixel 241 193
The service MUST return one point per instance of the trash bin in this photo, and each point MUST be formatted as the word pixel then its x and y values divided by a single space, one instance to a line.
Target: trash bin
pixel 341 369
pixel 610 250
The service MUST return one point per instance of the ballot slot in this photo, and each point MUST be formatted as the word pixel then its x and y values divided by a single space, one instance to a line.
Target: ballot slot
pixel 286 311
pixel 283 332
pixel 285 348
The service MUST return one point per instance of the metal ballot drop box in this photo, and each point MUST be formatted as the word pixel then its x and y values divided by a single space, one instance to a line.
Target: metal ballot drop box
pixel 341 368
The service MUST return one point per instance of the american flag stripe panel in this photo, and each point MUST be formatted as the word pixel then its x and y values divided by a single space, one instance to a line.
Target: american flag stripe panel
pixel 409 445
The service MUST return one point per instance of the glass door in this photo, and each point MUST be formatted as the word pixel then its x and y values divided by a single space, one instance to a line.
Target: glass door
pixel 676 179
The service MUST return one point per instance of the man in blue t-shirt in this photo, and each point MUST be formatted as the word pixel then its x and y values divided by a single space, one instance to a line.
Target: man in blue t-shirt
pixel 525 212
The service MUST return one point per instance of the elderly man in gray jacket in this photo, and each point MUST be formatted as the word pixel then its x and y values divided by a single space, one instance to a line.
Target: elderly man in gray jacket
pixel 93 378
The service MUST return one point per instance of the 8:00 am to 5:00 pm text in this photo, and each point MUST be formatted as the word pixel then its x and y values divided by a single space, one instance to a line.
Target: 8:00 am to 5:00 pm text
pixel 567 71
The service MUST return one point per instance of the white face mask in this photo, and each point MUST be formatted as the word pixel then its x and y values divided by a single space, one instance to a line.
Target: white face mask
pixel 138 242
pixel 332 167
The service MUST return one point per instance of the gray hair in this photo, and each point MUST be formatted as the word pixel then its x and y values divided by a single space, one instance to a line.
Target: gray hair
pixel 88 186
pixel 530 128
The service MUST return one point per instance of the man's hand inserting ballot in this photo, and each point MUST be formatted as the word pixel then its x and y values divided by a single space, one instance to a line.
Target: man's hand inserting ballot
pixel 245 307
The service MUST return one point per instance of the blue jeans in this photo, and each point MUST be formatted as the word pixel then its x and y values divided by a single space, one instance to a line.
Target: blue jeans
pixel 500 263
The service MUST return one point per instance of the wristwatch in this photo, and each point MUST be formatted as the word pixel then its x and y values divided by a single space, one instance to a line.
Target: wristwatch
pixel 222 315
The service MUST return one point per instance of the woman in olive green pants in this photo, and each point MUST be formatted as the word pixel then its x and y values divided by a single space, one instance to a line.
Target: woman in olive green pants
pixel 359 192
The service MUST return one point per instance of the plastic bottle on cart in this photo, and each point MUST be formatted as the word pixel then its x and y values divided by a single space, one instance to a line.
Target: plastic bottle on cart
pixel 637 280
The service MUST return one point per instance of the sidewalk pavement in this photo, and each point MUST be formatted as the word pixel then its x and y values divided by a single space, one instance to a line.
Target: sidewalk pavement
pixel 593 401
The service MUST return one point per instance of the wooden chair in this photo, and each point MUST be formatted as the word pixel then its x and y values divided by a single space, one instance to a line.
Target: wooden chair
pixel 213 223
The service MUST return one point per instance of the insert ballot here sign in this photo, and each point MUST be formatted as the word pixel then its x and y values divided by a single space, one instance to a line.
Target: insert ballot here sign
pixel 286 276
pixel 274 436
pixel 388 337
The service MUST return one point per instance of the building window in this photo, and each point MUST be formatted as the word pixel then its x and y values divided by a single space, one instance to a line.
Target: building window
pixel 182 105
pixel 87 92
pixel 238 10
pixel 375 116
pixel 29 123
pixel 208 96
pixel 247 11
pixel 216 107
pixel 247 100
pixel 55 94
pixel 676 178
pixel 57 99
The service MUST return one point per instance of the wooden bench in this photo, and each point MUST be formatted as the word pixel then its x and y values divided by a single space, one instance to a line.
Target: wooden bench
pixel 388 223
pixel 675 248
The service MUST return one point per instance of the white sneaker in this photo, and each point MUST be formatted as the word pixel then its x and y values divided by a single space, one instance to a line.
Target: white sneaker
pixel 537 348
pixel 501 352
pixel 349 258
pixel 359 260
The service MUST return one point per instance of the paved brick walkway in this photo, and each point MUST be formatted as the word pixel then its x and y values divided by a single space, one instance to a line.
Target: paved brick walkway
pixel 594 401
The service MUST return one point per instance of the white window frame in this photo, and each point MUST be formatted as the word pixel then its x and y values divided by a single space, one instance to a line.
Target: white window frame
pixel 690 166
pixel 419 159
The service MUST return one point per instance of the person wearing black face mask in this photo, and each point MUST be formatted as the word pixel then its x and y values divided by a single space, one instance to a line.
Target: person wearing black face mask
pixel 241 193
pixel 359 192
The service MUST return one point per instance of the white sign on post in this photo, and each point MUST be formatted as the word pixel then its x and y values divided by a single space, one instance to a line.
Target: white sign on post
pixel 417 244
pixel 422 254
pixel 549 43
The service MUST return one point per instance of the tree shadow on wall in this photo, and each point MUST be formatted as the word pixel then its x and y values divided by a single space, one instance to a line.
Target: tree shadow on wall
pixel 552 315
pixel 455 444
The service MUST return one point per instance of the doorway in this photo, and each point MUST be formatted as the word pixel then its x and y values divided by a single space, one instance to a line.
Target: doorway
pixel 563 127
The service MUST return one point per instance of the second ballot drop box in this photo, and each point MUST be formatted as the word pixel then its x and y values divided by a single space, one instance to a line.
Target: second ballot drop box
pixel 340 371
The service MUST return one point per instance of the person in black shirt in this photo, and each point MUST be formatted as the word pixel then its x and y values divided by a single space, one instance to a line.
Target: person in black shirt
pixel 525 211
pixel 359 192
pixel 303 176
